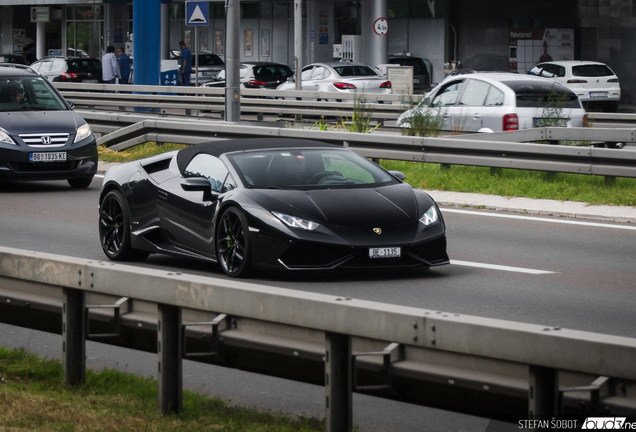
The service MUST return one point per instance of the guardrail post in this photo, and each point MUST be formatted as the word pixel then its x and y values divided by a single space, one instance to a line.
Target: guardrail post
pixel 170 364
pixel 338 383
pixel 543 393
pixel 73 337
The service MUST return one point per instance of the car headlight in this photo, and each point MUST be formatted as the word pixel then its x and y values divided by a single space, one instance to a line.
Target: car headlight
pixel 83 132
pixel 5 138
pixel 431 216
pixel 296 222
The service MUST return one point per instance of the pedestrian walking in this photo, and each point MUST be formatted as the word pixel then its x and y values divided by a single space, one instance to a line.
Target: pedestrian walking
pixel 29 56
pixel 110 69
pixel 124 66
pixel 185 64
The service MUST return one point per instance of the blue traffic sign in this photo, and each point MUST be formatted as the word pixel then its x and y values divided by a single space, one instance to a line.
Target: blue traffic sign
pixel 197 13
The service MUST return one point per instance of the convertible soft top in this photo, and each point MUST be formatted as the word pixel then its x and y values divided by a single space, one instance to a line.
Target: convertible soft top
pixel 217 148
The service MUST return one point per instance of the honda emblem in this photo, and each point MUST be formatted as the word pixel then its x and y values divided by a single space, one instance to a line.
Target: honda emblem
pixel 46 139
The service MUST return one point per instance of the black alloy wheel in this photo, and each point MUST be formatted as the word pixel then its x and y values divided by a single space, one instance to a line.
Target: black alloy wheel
pixel 114 229
pixel 233 243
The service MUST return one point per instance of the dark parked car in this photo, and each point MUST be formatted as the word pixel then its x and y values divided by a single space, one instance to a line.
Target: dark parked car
pixel 12 58
pixel 41 137
pixel 209 66
pixel 272 203
pixel 70 69
pixel 258 75
pixel 421 77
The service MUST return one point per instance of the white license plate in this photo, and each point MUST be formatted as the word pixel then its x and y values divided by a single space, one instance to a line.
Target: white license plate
pixel 550 122
pixel 387 252
pixel 89 81
pixel 47 157
pixel 599 94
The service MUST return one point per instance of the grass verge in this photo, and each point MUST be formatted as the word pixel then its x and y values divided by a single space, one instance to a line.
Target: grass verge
pixel 33 398
pixel 517 183
pixel 504 182
pixel 138 152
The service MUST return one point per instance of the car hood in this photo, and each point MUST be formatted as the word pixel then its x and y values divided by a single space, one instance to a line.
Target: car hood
pixel 20 122
pixel 382 206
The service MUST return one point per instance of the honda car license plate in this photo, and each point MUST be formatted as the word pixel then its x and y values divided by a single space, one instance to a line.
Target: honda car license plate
pixel 47 157
pixel 386 252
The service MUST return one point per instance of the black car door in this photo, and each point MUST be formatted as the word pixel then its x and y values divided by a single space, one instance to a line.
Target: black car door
pixel 188 216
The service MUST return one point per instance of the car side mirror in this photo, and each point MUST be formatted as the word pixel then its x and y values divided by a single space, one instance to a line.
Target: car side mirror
pixel 195 184
pixel 398 175
pixel 291 79
pixel 71 103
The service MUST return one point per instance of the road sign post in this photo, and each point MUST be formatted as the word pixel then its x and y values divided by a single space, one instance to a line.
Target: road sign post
pixel 197 14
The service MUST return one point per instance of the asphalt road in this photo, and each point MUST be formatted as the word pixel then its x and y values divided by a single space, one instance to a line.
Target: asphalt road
pixel 567 275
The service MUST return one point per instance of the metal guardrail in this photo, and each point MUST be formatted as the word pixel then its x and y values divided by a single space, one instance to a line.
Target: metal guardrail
pixel 478 366
pixel 129 129
pixel 186 100
pixel 615 120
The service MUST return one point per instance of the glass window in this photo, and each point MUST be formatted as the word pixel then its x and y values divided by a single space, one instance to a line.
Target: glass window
pixel 593 70
pixel 84 30
pixel 495 97
pixel 426 9
pixel 475 93
pixel 306 73
pixel 58 65
pixel 318 73
pixel 308 169
pixel 398 9
pixel 543 94
pixel 284 71
pixel 46 66
pixel 448 94
pixel 37 95
pixel 281 10
pixel 249 10
pixel 266 10
pixel 229 184
pixel 217 10
pixel 208 167
pixel 177 11
pixel 345 71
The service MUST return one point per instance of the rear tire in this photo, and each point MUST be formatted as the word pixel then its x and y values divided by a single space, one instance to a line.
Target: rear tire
pixel 233 247
pixel 114 229
pixel 80 182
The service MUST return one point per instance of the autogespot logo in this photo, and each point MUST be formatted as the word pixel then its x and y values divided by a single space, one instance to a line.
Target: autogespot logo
pixel 607 423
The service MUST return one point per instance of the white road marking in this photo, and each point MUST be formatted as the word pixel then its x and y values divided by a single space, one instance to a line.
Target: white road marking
pixel 500 267
pixel 539 219
pixel 99 175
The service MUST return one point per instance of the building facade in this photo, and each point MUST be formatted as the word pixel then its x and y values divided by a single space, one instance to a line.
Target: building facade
pixel 482 34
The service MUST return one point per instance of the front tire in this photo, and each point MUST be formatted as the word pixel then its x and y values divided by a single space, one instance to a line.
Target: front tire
pixel 114 229
pixel 233 248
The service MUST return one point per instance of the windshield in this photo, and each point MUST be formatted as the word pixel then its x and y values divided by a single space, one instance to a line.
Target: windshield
pixel 593 70
pixel 533 94
pixel 28 93
pixel 208 60
pixel 347 71
pixel 308 169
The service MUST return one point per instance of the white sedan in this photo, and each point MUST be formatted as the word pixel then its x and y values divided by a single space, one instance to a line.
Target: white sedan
pixel 340 77
pixel 495 102
pixel 595 83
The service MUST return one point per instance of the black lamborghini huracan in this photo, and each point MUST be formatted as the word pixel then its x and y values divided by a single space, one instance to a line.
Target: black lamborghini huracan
pixel 269 204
